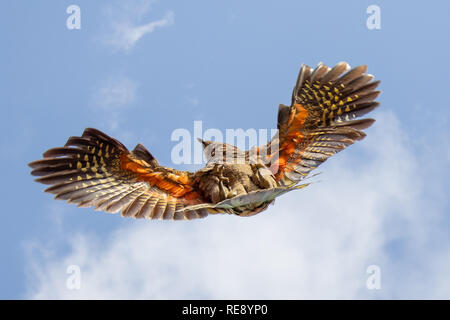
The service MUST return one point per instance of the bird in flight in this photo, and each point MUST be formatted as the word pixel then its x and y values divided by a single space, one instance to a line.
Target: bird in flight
pixel 97 170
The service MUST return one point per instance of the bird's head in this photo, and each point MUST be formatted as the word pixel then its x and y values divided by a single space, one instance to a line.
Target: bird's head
pixel 209 148
pixel 220 152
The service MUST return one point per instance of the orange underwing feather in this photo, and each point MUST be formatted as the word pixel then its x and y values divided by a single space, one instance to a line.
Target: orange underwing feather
pixel 292 133
pixel 176 184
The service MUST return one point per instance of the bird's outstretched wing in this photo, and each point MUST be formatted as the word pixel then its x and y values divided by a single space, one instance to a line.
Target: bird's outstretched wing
pixel 321 120
pixel 97 170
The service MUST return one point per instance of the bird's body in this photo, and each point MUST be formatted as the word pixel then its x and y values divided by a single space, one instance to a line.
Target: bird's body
pixel 97 170
pixel 222 181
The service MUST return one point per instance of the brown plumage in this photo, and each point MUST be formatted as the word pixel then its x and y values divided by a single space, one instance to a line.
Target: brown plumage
pixel 98 171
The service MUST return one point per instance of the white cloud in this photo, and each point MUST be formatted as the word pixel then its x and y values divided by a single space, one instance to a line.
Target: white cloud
pixel 125 23
pixel 193 101
pixel 111 97
pixel 115 92
pixel 316 243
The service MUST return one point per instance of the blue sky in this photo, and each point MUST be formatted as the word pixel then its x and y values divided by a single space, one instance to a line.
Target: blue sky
pixel 383 201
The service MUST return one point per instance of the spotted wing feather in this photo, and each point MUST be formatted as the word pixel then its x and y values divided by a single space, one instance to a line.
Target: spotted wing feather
pixel 98 171
pixel 322 119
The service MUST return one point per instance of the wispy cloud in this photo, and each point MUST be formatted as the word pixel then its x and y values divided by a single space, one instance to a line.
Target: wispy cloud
pixel 316 243
pixel 193 101
pixel 126 27
pixel 115 92
pixel 111 97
